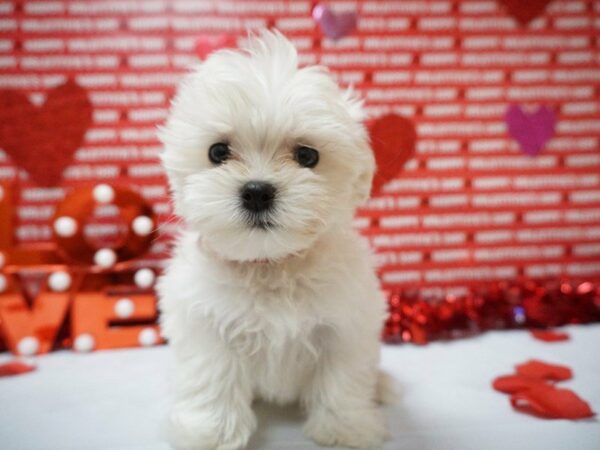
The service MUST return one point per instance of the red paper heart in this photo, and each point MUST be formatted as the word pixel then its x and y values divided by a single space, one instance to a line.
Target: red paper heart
pixel 525 12
pixel 208 43
pixel 42 140
pixel 393 139
pixel 544 371
pixel 510 384
pixel 15 368
pixel 549 335
pixel 550 402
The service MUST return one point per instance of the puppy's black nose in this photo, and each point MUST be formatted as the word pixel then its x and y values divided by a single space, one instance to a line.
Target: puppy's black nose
pixel 258 196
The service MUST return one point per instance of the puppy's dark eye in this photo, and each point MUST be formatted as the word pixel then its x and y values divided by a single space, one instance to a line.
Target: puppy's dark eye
pixel 306 156
pixel 219 153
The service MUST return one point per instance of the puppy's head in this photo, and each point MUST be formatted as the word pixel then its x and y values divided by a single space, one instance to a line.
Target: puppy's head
pixel 263 156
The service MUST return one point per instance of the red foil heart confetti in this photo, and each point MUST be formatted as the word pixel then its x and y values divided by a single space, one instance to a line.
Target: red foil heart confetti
pixel 511 384
pixel 550 335
pixel 15 367
pixel 533 391
pixel 550 402
pixel 544 371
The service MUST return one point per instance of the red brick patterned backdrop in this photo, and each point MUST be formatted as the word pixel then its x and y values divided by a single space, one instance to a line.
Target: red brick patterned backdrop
pixel 468 207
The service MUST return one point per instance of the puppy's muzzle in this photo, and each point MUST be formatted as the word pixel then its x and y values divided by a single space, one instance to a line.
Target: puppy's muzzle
pixel 258 196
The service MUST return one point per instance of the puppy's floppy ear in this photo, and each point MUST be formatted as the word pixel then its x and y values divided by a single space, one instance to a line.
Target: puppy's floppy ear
pixel 364 180
pixel 366 168
pixel 354 104
pixel 178 139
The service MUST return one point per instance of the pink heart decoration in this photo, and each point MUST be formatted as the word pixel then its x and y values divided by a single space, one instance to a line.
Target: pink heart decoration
pixel 208 43
pixel 334 25
pixel 530 130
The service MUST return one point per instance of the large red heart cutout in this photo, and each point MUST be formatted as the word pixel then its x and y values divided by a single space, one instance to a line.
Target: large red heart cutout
pixel 42 140
pixel 393 139
pixel 525 12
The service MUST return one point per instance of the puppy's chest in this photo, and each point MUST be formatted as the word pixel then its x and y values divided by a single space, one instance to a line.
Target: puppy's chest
pixel 275 331
pixel 281 347
pixel 280 371
pixel 281 334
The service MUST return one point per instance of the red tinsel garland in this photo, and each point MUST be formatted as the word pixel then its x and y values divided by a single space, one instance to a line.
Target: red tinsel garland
pixel 501 305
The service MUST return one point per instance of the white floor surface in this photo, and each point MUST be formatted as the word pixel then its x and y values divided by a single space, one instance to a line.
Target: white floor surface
pixel 117 399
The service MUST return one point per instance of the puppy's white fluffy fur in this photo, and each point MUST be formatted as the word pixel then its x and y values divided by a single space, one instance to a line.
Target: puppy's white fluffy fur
pixel 287 313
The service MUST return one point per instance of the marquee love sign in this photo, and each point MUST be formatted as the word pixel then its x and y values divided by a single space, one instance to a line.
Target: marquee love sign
pixel 98 293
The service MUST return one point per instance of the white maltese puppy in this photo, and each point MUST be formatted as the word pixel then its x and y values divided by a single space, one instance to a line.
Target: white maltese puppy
pixel 270 293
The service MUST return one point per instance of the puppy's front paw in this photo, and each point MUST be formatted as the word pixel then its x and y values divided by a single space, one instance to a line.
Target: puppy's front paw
pixel 193 430
pixel 362 429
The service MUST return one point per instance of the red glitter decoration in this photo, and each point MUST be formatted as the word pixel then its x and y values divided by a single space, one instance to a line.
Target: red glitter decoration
pixel 501 305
